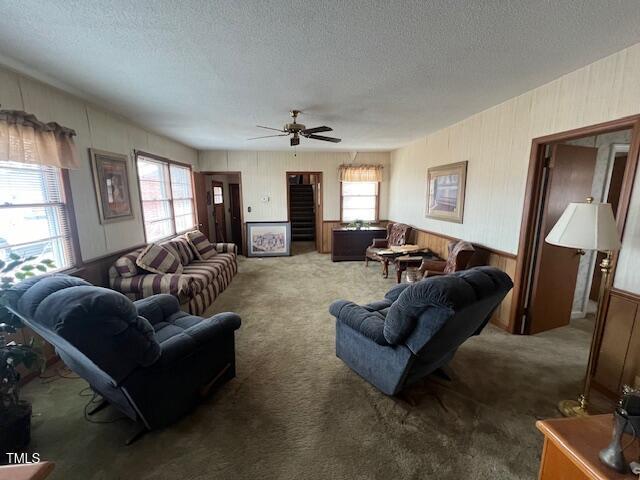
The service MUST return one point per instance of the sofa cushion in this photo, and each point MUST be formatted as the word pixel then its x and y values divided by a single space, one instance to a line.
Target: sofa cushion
pixel 201 274
pixel 201 245
pixel 157 259
pixel 126 265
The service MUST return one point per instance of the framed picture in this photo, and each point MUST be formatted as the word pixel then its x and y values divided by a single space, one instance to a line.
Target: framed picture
pixel 268 239
pixel 445 192
pixel 111 183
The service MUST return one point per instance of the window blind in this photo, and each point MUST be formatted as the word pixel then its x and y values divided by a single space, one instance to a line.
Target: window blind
pixel 34 217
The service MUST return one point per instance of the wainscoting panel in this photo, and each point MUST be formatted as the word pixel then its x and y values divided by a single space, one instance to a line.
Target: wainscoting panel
pixel 618 361
pixel 327 227
pixel 504 261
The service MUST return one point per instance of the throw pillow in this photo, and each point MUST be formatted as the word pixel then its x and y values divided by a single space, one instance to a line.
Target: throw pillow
pixel 201 245
pixel 157 259
pixel 126 264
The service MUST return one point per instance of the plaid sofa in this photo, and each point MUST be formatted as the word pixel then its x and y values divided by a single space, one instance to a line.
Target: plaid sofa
pixel 199 284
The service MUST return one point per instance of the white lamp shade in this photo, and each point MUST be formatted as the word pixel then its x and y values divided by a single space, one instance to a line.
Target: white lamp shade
pixel 588 226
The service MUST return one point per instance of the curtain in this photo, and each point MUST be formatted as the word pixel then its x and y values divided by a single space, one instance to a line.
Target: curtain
pixel 25 139
pixel 360 173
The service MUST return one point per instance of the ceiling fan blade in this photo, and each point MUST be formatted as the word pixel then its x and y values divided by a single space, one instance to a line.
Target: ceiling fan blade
pixel 325 139
pixel 270 128
pixel 269 136
pixel 308 131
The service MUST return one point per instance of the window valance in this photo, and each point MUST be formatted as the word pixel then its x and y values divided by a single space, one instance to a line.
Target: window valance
pixel 360 173
pixel 25 139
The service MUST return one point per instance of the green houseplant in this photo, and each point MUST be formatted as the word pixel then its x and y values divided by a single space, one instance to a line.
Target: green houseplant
pixel 15 414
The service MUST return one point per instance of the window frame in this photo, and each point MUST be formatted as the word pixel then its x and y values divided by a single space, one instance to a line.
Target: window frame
pixel 377 217
pixel 67 205
pixel 168 162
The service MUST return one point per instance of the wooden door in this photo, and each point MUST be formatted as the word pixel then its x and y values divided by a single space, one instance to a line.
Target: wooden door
pixel 570 178
pixel 317 199
pixel 217 193
pixel 200 195
pixel 236 211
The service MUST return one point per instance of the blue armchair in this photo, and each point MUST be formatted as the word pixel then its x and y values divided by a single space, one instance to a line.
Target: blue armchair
pixel 418 327
pixel 147 358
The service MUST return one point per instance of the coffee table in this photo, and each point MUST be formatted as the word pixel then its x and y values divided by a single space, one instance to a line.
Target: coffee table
pixel 414 260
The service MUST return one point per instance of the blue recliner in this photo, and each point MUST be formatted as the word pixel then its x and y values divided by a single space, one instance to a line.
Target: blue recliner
pixel 147 358
pixel 418 327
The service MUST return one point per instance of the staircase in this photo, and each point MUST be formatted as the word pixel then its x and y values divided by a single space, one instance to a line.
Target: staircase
pixel 302 215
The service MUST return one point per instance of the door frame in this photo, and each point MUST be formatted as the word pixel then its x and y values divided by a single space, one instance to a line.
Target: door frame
pixel 239 174
pixel 239 207
pixel 319 210
pixel 214 184
pixel 534 195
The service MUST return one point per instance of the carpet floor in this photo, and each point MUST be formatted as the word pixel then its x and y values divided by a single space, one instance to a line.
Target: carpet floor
pixel 296 411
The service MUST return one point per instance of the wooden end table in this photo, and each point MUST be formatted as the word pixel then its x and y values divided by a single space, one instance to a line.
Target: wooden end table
pixel 413 260
pixel 571 448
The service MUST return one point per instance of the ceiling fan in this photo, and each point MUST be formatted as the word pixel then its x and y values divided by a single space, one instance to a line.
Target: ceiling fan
pixel 298 129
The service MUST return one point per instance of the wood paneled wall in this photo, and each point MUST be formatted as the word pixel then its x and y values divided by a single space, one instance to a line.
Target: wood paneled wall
pixel 327 226
pixel 618 361
pixel 497 145
pixel 504 261
pixel 95 128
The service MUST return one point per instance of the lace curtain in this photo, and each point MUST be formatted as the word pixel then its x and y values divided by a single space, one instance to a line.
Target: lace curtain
pixel 25 139
pixel 360 173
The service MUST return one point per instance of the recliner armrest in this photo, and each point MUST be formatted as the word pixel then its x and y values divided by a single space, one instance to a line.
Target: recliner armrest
pixel 198 335
pixel 157 307
pixel 369 324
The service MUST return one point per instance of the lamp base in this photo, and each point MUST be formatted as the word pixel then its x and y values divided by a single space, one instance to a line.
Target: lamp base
pixel 573 408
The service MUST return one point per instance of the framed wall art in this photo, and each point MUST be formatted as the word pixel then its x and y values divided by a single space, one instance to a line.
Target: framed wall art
pixel 268 239
pixel 111 183
pixel 446 186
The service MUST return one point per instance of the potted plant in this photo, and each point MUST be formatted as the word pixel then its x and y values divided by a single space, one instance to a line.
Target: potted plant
pixel 15 414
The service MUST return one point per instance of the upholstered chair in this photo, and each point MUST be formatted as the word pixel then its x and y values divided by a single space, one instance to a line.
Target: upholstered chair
pixel 416 328
pixel 397 235
pixel 148 359
pixel 462 255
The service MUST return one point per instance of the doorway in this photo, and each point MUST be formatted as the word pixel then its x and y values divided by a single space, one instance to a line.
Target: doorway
pixel 556 286
pixel 304 208
pixel 223 206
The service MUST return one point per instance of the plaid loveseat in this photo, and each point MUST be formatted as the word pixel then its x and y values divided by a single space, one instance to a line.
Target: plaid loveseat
pixel 200 282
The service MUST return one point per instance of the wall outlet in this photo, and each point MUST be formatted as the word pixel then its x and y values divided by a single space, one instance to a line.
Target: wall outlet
pixel 249 209
pixel 265 199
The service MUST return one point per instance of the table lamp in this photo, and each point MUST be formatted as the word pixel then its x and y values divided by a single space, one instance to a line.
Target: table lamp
pixel 587 226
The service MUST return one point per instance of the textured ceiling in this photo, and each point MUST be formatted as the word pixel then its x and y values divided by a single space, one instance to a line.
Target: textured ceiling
pixel 381 73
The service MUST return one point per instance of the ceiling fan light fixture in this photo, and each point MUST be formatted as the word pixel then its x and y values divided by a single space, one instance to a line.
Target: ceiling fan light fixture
pixel 296 129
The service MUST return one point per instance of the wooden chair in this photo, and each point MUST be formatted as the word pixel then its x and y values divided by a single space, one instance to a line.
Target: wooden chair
pixel 397 235
pixel 462 255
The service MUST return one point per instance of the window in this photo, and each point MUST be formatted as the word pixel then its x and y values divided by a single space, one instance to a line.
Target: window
pixel 34 214
pixel 359 201
pixel 167 197
pixel 217 196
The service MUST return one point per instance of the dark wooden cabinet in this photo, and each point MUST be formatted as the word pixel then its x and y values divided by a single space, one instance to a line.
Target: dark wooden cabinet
pixel 350 244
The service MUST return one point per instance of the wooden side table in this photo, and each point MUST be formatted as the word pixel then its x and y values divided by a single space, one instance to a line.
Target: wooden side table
pixel 30 471
pixel 571 447
pixel 412 260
